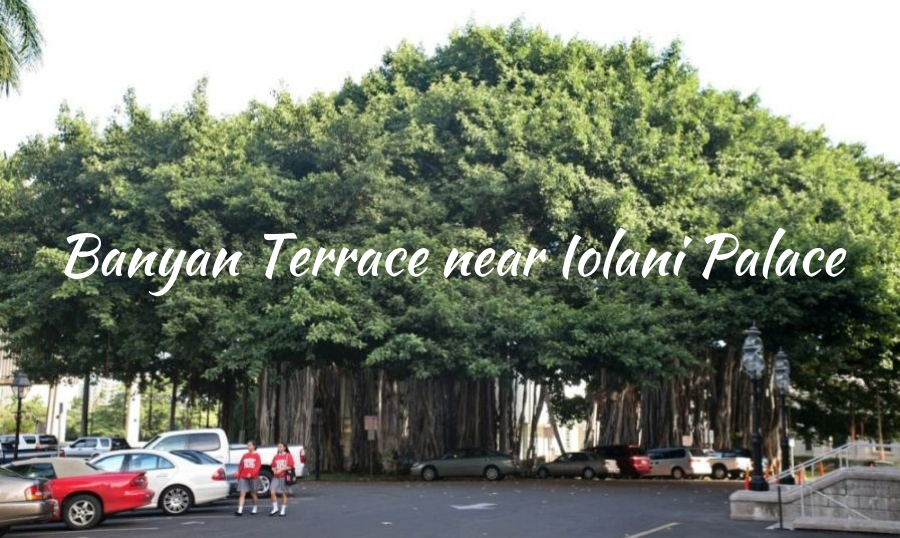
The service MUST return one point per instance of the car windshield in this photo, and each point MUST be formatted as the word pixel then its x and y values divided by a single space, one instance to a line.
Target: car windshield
pixel 7 439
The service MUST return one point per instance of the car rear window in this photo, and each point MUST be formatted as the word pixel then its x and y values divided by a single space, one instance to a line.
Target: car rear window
pixel 7 472
pixel 205 442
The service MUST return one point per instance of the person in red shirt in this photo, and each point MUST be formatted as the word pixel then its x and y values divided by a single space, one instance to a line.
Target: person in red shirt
pixel 282 465
pixel 248 478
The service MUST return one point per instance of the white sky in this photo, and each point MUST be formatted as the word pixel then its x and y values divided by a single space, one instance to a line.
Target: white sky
pixel 820 65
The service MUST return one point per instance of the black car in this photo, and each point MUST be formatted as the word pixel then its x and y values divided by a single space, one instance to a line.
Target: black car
pixel 119 443
pixel 48 443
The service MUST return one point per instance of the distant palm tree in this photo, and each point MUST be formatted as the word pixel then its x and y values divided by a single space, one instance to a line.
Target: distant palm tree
pixel 20 42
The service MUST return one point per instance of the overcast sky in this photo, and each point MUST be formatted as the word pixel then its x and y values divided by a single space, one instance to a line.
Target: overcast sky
pixel 819 65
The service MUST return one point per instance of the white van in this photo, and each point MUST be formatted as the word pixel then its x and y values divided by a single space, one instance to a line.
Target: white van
pixel 678 462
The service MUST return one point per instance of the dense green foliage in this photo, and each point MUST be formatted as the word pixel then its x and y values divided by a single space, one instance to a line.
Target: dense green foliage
pixel 503 138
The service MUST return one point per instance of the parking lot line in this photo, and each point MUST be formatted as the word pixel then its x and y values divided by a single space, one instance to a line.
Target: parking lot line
pixel 651 531
pixel 43 534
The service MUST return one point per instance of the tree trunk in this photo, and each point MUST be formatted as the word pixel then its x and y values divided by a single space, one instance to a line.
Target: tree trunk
pixel 539 397
pixel 554 426
pixel 363 457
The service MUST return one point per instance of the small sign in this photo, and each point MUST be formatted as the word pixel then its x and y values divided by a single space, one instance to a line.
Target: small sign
pixel 371 422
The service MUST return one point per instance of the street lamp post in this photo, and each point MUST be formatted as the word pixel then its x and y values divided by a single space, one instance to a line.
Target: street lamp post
pixel 317 418
pixel 753 364
pixel 20 385
pixel 783 384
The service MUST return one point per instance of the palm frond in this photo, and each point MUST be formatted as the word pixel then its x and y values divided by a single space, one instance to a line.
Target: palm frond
pixel 9 67
pixel 20 41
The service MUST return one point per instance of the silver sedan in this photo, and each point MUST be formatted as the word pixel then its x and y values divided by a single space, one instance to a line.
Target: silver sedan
pixel 490 464
pixel 583 464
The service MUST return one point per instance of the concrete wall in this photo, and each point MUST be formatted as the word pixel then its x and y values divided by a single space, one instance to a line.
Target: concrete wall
pixel 872 492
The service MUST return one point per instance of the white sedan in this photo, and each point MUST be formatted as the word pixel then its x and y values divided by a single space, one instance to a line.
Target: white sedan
pixel 178 482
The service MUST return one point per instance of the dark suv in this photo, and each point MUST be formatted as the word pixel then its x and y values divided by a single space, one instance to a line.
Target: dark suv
pixel 48 443
pixel 631 459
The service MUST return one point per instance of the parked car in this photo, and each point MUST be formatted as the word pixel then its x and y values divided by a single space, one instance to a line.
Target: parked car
pixel 87 447
pixel 178 482
pixel 31 445
pixel 24 501
pixel 631 459
pixel 678 462
pixel 214 442
pixel 730 463
pixel 202 458
pixel 584 464
pixel 119 443
pixel 86 493
pixel 490 464
pixel 30 441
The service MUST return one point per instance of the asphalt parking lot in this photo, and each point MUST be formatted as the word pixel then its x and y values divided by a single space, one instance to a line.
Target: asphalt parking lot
pixel 450 509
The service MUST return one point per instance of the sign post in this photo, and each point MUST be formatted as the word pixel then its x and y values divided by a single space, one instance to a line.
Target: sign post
pixel 371 423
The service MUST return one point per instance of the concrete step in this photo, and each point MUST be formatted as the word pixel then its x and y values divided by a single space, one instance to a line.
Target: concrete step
pixel 846 525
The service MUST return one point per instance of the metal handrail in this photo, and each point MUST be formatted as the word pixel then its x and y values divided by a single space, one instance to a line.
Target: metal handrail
pixel 842 453
pixel 791 471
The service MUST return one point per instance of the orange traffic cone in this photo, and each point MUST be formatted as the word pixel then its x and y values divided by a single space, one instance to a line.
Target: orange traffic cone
pixel 800 477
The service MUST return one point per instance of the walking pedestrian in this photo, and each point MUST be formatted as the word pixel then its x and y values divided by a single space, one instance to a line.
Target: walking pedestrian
pixel 282 467
pixel 248 478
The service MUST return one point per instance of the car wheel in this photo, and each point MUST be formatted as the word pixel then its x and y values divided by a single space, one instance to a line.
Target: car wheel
pixel 429 474
pixel 719 472
pixel 492 473
pixel 3 530
pixel 265 482
pixel 82 512
pixel 677 473
pixel 176 500
pixel 588 474
pixel 543 472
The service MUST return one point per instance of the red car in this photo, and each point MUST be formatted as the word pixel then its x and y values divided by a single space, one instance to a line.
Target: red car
pixel 86 494
pixel 631 459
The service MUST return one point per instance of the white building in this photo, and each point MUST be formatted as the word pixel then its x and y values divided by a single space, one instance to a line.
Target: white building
pixel 58 399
